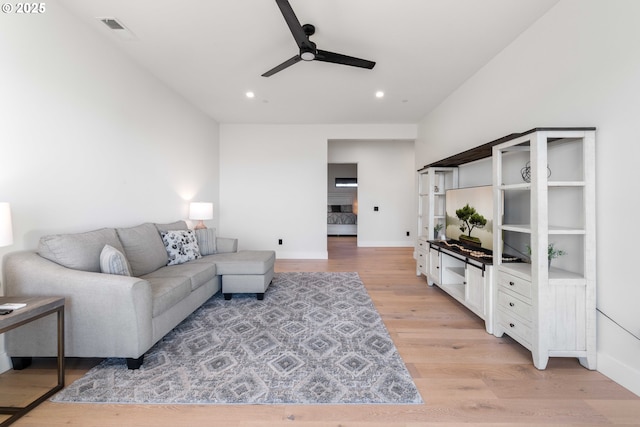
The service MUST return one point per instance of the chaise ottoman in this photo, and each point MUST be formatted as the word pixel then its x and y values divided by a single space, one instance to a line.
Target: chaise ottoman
pixel 245 272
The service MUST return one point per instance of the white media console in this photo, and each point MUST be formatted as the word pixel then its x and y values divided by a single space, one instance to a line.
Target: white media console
pixel 543 194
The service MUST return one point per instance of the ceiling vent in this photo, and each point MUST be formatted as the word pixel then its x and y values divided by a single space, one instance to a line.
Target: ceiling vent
pixel 117 28
pixel 112 23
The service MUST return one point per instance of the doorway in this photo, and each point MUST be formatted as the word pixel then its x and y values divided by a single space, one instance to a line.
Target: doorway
pixel 342 200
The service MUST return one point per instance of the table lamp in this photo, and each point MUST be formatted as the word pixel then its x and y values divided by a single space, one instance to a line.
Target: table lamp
pixel 200 211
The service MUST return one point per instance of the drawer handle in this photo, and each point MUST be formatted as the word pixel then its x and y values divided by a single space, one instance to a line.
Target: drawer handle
pixel 511 284
pixel 511 304
pixel 512 325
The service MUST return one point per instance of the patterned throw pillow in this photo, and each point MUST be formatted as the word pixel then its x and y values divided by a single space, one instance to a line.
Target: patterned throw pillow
pixel 181 246
pixel 207 241
pixel 112 261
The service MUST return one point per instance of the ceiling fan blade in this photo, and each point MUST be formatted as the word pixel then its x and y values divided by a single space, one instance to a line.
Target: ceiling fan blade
pixel 293 22
pixel 338 58
pixel 285 64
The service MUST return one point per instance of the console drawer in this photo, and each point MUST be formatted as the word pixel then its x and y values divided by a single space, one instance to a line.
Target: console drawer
pixel 422 261
pixel 517 329
pixel 515 284
pixel 513 305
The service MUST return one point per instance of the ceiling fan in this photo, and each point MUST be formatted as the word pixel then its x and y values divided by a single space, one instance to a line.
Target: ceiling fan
pixel 308 49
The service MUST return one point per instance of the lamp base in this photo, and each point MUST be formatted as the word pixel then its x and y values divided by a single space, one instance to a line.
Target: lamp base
pixel 200 225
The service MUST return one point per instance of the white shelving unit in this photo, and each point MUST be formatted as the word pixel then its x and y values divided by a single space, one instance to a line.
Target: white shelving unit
pixel 434 181
pixel 432 185
pixel 549 310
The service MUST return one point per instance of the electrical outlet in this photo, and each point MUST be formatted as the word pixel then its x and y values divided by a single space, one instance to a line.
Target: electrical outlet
pixel 279 241
pixel 375 209
pixel 408 234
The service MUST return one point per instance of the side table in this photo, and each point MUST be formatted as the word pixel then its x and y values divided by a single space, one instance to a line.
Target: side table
pixel 37 307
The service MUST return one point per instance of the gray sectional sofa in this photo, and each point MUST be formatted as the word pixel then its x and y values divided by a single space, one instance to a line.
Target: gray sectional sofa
pixel 112 314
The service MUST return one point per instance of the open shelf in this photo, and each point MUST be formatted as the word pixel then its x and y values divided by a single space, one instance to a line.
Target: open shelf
pixel 456 290
pixel 523 270
pixel 458 271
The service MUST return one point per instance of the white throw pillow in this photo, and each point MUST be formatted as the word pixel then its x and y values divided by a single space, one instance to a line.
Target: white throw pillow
pixel 181 246
pixel 112 261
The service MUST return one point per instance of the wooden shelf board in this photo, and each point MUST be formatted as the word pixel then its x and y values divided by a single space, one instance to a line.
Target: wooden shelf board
pixel 555 230
pixel 566 184
pixel 519 186
pixel 486 150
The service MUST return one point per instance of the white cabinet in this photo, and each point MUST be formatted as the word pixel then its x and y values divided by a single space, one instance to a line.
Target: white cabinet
pixel 467 280
pixel 544 194
pixel 475 289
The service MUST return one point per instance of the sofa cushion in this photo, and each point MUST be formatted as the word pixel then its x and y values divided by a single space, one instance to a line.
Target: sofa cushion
pixel 144 248
pixel 177 225
pixel 181 246
pixel 112 261
pixel 167 292
pixel 80 251
pixel 197 273
pixel 206 238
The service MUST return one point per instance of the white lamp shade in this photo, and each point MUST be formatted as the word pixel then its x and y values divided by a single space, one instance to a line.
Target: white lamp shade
pixel 200 210
pixel 6 229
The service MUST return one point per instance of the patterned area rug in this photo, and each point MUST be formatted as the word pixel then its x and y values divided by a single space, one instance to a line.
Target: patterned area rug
pixel 316 338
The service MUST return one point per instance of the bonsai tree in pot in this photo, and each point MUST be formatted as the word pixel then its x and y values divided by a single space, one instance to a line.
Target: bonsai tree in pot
pixel 470 219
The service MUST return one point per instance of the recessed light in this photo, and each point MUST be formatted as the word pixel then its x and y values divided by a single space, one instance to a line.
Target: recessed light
pixel 250 95
pixel 379 94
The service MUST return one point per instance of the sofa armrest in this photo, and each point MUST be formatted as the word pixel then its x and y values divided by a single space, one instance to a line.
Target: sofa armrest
pixel 226 244
pixel 105 315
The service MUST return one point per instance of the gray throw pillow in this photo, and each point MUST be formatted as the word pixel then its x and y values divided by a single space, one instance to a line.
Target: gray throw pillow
pixel 206 240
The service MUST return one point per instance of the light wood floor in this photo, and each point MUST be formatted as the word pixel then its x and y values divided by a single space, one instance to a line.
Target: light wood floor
pixel 464 374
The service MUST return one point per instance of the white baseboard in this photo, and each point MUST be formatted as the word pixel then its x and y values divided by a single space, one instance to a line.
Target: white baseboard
pixel 301 255
pixel 618 354
pixel 624 375
pixel 386 244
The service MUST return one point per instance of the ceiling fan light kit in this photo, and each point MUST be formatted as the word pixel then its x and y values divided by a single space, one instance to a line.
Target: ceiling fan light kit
pixel 308 49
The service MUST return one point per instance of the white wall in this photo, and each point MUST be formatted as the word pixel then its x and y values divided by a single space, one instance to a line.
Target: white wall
pixel 273 183
pixel 386 178
pixel 577 66
pixel 88 138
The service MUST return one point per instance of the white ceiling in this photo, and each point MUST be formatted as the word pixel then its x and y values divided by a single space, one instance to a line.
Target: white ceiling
pixel 213 52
